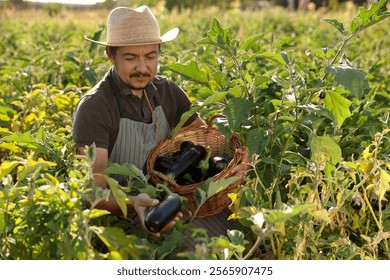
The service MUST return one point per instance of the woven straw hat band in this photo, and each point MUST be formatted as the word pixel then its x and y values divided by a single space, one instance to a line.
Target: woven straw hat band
pixel 127 27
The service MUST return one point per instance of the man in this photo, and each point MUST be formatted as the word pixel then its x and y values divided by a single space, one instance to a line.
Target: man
pixel 131 109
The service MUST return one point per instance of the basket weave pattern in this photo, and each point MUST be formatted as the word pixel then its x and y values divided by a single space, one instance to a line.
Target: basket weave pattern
pixel 206 135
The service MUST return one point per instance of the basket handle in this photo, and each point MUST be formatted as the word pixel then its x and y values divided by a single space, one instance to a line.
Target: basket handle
pixel 211 120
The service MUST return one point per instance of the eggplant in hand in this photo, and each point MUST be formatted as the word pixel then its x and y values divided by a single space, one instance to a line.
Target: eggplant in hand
pixel 159 216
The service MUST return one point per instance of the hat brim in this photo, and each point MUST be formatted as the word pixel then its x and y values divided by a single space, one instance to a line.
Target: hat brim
pixel 169 36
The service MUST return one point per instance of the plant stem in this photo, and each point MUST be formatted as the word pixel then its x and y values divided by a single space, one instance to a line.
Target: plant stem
pixel 379 225
pixel 254 247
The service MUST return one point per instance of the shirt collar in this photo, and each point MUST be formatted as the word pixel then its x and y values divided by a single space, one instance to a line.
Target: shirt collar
pixel 125 90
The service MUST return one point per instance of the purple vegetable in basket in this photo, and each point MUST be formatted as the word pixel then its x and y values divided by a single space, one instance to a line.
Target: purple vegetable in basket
pixel 185 145
pixel 163 165
pixel 219 164
pixel 185 160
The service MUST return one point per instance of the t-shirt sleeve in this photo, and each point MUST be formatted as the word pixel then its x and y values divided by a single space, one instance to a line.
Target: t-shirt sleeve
pixel 91 123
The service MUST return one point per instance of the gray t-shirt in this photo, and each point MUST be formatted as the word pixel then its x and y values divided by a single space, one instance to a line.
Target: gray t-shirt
pixel 96 117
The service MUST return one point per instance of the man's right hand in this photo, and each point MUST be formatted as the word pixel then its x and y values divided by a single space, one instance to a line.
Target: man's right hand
pixel 141 202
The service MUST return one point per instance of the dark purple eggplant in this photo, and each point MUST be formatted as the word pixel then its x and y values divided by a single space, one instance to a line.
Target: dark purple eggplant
pixel 357 202
pixel 159 216
pixel 219 164
pixel 186 159
pixel 185 145
pixel 379 204
pixel 201 150
pixel 163 165
pixel 216 165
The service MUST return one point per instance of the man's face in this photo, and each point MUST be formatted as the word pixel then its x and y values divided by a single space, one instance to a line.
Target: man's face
pixel 136 65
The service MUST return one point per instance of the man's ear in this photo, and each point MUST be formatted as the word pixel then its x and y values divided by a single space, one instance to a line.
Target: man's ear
pixel 110 55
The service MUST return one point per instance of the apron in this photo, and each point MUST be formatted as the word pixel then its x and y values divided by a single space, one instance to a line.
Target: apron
pixel 137 139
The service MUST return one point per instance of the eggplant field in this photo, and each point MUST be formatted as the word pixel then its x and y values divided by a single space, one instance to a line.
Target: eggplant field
pixel 307 93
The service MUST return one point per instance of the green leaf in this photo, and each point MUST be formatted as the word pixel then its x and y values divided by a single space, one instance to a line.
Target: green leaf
pixel 211 187
pixel 338 106
pixel 41 135
pixel 96 36
pixel 217 186
pixel 119 194
pixel 6 167
pixel 273 56
pixel 204 163
pixel 338 25
pixel 126 169
pixel 95 213
pixel 120 245
pixel 237 237
pixel 90 75
pixel 351 78
pixel 259 80
pixel 324 146
pixel 258 140
pixel 24 138
pixel 31 166
pixel 249 42
pixel 320 214
pixel 376 13
pixel 216 35
pixel 9 146
pixel 171 239
pixel 237 112
pixel 214 98
pixel 91 152
pixel 281 216
pixel 294 158
pixel 150 190
pixel 285 57
pixel 7 110
pixel 191 71
pixel 184 118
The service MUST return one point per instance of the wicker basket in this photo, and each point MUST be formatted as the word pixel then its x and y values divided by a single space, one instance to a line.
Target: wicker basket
pixel 206 135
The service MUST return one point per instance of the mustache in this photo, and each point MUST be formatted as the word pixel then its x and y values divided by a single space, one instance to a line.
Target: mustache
pixel 140 75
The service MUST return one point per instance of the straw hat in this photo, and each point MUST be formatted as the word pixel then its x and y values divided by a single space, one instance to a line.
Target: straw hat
pixel 131 27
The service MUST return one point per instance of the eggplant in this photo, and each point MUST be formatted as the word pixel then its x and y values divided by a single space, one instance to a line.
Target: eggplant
pixel 163 164
pixel 188 158
pixel 379 204
pixel 159 216
pixel 216 165
pixel 357 202
pixel 185 145
pixel 219 164
pixel 186 161
pixel 201 150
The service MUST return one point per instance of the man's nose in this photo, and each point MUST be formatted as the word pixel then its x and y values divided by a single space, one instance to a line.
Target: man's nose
pixel 141 65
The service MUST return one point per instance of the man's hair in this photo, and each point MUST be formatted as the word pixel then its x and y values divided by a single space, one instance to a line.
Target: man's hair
pixel 113 50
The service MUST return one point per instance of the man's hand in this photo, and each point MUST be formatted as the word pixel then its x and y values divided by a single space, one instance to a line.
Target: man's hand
pixel 141 202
